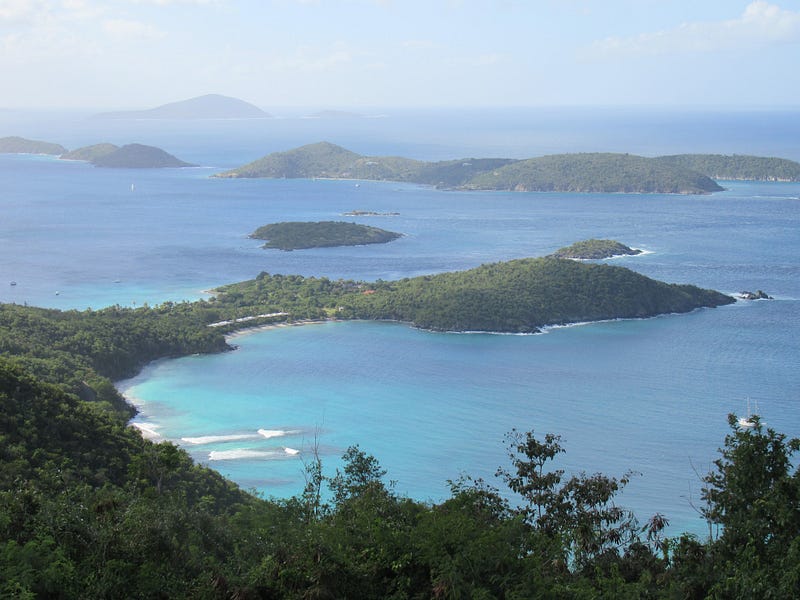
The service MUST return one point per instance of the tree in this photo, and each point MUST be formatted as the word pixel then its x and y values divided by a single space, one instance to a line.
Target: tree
pixel 578 514
pixel 754 494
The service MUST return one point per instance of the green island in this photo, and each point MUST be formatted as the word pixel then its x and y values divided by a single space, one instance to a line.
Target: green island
pixel 90 153
pixel 586 172
pixel 129 156
pixel 138 156
pixel 18 145
pixel 737 166
pixel 296 235
pixel 90 509
pixel 595 249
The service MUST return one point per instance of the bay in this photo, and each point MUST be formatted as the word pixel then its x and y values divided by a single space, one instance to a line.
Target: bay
pixel 651 396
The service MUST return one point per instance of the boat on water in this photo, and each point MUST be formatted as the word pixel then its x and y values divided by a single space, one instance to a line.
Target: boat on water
pixel 750 420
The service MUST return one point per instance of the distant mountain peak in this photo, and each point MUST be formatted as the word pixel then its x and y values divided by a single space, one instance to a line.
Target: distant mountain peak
pixel 209 106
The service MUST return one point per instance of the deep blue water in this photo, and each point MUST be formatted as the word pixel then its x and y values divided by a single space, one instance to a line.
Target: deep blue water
pixel 650 396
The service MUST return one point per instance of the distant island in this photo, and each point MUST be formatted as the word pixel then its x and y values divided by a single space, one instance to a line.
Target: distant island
pixel 130 156
pixel 594 249
pixel 369 213
pixel 297 235
pixel 210 106
pixel 599 172
pixel 737 166
pixel 137 156
pixel 18 145
pixel 335 114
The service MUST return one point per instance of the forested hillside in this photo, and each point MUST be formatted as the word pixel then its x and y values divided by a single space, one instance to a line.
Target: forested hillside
pixel 88 509
pixel 516 296
pixel 737 166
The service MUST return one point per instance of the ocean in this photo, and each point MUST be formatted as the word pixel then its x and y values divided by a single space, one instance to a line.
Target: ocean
pixel 649 396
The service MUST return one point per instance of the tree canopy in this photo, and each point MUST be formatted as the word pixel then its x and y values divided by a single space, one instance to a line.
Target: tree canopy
pixel 296 235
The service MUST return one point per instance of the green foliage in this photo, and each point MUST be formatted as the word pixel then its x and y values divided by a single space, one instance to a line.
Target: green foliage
pixel 88 509
pixel 295 235
pixel 737 166
pixel 594 172
pixel 754 495
pixel 525 295
pixel 595 249
pixel 83 350
pixel 515 296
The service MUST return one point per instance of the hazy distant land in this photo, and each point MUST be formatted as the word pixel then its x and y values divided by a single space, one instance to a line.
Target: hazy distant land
pixel 210 106
pixel 584 172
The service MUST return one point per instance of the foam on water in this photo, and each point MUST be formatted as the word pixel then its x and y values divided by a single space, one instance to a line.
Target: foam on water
pixel 273 433
pixel 243 454
pixel 216 439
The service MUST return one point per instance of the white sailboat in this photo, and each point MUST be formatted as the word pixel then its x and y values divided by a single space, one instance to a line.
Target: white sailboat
pixel 748 422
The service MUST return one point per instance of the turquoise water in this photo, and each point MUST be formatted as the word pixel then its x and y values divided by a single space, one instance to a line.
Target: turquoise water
pixel 650 396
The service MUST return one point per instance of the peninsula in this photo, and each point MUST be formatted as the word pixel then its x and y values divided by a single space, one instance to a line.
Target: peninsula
pixel 595 249
pixel 518 296
pixel 296 235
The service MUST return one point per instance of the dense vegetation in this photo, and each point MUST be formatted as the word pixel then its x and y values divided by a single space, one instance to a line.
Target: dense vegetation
pixel 565 172
pixel 595 249
pixel 88 509
pixel 18 145
pixel 294 235
pixel 83 351
pixel 737 166
pixel 516 296
pixel 595 172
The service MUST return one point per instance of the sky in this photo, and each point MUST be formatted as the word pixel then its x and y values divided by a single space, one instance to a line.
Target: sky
pixel 340 54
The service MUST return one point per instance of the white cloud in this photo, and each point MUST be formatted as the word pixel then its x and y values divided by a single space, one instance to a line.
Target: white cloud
pixel 488 60
pixel 168 2
pixel 310 59
pixel 761 23
pixel 21 10
pixel 418 44
pixel 126 28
